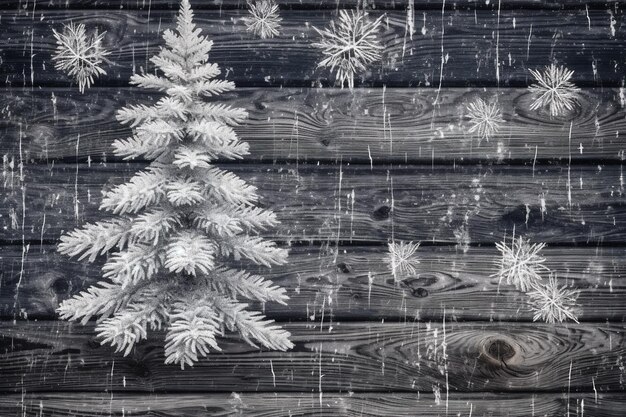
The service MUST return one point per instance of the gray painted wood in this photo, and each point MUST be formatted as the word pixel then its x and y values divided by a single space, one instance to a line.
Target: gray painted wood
pixel 584 40
pixel 446 204
pixel 276 404
pixel 309 4
pixel 306 124
pixel 341 356
pixel 355 283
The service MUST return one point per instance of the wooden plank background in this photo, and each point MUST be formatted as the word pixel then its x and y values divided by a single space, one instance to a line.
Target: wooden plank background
pixel 345 171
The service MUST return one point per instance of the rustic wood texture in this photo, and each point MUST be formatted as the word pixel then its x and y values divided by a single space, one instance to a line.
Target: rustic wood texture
pixel 29 5
pixel 275 404
pixel 364 126
pixel 347 172
pixel 350 356
pixel 587 41
pixel 335 283
pixel 449 204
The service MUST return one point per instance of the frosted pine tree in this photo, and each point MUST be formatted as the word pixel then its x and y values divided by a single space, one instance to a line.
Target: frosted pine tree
pixel 175 226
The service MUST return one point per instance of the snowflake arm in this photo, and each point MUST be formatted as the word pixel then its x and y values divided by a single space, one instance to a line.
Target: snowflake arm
pixel 264 19
pixel 79 55
pixel 554 90
pixel 485 118
pixel 349 45
pixel 552 303
pixel 520 264
pixel 401 258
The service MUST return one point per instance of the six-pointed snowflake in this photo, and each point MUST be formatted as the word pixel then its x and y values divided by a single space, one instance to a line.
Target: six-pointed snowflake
pixel 264 20
pixel 552 303
pixel 349 45
pixel 485 118
pixel 520 264
pixel 554 90
pixel 401 258
pixel 79 55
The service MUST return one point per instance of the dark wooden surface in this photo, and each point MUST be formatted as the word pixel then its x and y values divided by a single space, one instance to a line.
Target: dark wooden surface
pixel 310 404
pixel 351 282
pixel 329 125
pixel 346 171
pixel 583 39
pixel 407 356
pixel 441 204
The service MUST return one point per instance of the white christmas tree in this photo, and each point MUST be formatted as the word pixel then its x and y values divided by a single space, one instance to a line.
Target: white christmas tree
pixel 175 225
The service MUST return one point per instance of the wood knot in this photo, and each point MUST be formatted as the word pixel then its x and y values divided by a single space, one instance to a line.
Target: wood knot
pixel 499 350
pixel 381 213
pixel 420 292
pixel 61 286
pixel 344 267
pixel 325 141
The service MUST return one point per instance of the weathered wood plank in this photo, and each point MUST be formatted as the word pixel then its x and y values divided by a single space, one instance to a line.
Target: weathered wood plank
pixel 30 5
pixel 335 283
pixel 273 404
pixel 590 42
pixel 356 356
pixel 451 204
pixel 367 125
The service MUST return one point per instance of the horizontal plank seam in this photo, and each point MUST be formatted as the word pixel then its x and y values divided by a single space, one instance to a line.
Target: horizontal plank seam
pixel 478 84
pixel 398 161
pixel 325 390
pixel 334 319
pixel 316 243
pixel 397 6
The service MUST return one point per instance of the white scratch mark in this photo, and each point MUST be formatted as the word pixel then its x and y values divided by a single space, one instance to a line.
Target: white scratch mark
pixel 443 10
pixel 569 383
pixel 612 23
pixel 76 180
pixel 530 34
pixel 273 374
pixel 569 168
pixel 498 46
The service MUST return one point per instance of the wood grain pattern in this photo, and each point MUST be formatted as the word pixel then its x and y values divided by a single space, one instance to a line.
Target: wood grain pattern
pixel 335 283
pixel 275 404
pixel 355 356
pixel 29 5
pixel 364 126
pixel 462 204
pixel 587 41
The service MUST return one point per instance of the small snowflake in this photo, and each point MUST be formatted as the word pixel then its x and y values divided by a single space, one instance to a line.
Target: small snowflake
pixel 349 45
pixel 520 264
pixel 401 258
pixel 79 55
pixel 485 118
pixel 264 20
pixel 552 303
pixel 554 90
